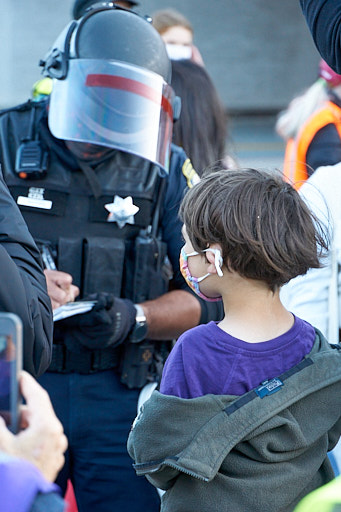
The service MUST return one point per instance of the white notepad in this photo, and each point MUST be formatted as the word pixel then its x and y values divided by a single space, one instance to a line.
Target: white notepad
pixel 73 308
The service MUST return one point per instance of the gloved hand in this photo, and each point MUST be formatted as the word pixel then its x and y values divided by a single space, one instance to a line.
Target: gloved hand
pixel 108 323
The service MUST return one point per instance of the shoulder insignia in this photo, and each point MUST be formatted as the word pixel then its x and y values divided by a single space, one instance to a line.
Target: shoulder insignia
pixel 190 174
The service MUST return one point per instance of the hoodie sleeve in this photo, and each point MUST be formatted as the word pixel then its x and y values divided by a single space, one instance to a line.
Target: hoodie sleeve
pixel 163 432
pixel 157 437
pixel 23 285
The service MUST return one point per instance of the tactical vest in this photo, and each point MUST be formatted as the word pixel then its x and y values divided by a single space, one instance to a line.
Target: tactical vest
pixel 71 222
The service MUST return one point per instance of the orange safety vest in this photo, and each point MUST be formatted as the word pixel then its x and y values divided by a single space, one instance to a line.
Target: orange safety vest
pixel 295 165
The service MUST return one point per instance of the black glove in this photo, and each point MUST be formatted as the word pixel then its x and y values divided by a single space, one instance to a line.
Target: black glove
pixel 108 323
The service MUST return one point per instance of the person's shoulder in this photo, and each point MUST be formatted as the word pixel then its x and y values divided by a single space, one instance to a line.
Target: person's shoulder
pixel 325 114
pixel 322 186
pixel 181 166
pixel 177 153
pixel 24 107
pixel 27 105
pixel 196 334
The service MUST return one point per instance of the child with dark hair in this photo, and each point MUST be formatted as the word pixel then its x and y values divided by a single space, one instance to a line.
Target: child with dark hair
pixel 256 400
pixel 248 233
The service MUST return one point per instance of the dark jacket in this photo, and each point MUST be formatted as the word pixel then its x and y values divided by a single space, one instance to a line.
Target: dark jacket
pixel 23 286
pixel 249 453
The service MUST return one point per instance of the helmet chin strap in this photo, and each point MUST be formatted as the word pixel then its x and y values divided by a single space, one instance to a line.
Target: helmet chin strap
pixel 91 177
pixel 87 165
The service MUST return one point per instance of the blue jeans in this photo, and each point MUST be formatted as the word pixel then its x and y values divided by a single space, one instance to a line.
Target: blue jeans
pixel 334 464
pixel 97 411
pixel 51 502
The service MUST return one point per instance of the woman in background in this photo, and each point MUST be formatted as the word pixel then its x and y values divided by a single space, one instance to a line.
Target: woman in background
pixel 201 129
pixel 177 34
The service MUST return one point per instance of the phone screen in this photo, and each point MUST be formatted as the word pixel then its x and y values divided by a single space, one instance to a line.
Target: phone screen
pixel 10 366
pixel 7 371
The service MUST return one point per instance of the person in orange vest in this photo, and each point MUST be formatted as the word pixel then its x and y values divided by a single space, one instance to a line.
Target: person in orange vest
pixel 311 125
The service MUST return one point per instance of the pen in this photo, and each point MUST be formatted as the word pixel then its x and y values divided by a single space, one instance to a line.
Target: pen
pixel 47 258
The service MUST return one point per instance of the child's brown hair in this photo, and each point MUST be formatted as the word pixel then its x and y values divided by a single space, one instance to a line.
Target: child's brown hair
pixel 265 229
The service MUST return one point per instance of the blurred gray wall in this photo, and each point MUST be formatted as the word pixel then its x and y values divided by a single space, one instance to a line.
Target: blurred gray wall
pixel 258 52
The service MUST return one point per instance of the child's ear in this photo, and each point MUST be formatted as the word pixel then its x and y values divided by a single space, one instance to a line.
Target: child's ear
pixel 210 255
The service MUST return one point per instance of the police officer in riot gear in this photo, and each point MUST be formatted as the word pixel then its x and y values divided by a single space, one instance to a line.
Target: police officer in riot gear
pixel 92 171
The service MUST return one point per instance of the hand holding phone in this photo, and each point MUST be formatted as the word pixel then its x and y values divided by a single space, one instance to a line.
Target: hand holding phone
pixel 10 366
pixel 41 440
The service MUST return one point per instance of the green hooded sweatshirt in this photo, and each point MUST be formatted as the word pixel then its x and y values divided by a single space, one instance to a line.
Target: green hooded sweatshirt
pixel 259 452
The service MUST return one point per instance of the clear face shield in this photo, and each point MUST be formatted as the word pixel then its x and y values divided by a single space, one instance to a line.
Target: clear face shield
pixel 116 105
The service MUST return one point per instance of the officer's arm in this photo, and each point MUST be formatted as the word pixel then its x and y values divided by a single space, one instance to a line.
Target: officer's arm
pixel 324 21
pixel 171 314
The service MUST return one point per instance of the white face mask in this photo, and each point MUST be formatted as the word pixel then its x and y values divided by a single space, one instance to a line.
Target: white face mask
pixel 179 51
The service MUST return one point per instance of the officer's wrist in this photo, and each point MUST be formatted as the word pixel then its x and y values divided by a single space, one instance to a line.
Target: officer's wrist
pixel 139 330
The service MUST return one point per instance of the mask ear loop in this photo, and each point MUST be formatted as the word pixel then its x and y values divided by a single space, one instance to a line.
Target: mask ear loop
pixel 218 260
pixel 194 253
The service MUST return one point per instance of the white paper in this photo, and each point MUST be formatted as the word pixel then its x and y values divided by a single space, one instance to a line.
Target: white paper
pixel 73 308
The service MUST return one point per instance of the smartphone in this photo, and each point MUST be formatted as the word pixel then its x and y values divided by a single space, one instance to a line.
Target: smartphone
pixel 11 340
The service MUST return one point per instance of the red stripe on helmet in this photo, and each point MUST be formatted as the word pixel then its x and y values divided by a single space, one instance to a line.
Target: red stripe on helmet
pixel 129 85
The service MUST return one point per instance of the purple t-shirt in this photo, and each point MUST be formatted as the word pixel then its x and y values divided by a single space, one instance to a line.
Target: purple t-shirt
pixel 206 360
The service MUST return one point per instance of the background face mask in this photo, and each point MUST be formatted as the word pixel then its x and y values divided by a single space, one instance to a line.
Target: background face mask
pixel 193 282
pixel 179 51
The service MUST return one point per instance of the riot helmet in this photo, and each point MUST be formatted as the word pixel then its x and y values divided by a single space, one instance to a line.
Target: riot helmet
pixel 80 6
pixel 111 86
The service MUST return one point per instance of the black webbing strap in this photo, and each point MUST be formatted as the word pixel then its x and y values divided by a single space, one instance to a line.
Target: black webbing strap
pixel 65 361
pixel 267 387
pixel 92 178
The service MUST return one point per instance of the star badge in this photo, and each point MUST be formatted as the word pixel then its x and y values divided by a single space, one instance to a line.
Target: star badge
pixel 122 211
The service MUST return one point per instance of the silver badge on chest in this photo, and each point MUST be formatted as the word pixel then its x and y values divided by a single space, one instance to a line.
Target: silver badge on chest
pixel 121 210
